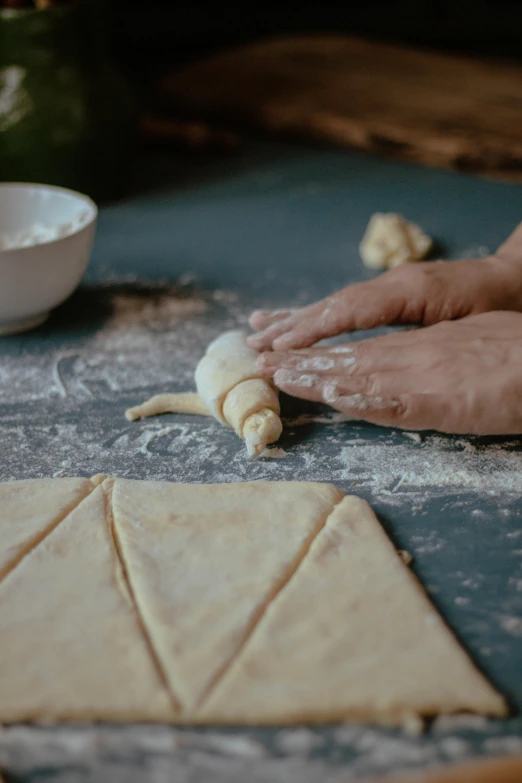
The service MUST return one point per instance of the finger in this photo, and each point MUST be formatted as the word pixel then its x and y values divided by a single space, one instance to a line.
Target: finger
pixel 344 311
pixel 383 401
pixel 307 317
pixel 262 341
pixel 262 319
pixel 389 353
pixel 357 405
pixel 306 386
pixel 325 319
pixel 406 411
pixel 397 297
pixel 329 388
pixel 313 360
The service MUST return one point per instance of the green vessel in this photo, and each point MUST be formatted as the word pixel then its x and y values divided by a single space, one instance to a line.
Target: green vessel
pixel 66 116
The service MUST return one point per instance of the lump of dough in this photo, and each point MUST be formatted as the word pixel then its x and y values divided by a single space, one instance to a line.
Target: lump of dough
pixel 390 240
pixel 232 390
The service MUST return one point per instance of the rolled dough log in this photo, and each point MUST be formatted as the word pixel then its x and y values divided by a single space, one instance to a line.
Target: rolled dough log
pixel 230 389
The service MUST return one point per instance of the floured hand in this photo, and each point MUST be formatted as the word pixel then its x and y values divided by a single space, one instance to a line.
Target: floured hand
pixel 457 377
pixel 410 294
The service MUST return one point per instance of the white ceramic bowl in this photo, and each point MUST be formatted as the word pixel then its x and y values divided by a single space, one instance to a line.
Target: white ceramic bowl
pixel 38 277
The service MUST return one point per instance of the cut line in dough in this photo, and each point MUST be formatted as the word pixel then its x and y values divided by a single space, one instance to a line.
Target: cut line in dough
pixel 124 575
pixel 71 646
pixel 261 603
pixel 31 510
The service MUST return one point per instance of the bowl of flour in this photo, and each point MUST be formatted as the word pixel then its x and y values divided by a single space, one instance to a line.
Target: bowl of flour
pixel 46 237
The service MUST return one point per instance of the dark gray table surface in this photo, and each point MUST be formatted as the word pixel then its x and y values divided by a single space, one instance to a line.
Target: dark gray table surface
pixel 200 244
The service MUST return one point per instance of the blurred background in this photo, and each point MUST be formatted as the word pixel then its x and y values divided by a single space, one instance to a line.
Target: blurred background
pixel 84 86
pixel 147 40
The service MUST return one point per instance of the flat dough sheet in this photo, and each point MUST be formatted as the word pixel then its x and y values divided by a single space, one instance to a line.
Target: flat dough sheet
pixel 250 603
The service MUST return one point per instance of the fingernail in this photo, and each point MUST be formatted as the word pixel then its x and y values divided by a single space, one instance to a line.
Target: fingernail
pixel 305 380
pixel 318 363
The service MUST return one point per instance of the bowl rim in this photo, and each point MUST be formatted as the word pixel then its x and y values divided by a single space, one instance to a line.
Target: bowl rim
pixel 76 194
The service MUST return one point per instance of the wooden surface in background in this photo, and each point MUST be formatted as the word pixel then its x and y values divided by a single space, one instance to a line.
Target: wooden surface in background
pixel 428 107
pixel 486 771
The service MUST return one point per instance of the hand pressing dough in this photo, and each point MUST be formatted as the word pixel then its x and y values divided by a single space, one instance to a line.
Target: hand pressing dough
pixel 230 389
pixel 252 603
pixel 390 240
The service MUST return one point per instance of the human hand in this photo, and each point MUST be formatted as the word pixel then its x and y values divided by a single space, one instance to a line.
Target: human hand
pixel 423 293
pixel 457 377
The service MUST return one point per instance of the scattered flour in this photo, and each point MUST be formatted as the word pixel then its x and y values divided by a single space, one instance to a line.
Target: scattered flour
pixel 301 755
pixel 512 625
pixel 275 453
pixel 71 399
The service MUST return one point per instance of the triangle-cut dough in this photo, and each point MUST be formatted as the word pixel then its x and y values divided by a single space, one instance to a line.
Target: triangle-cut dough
pixel 253 603
pixel 70 643
pixel 30 509
pixel 204 561
pixel 352 635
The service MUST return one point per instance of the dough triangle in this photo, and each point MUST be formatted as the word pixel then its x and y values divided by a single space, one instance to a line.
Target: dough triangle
pixel 30 509
pixel 203 562
pixel 70 640
pixel 352 635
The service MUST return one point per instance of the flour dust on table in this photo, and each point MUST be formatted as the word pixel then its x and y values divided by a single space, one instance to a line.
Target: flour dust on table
pixel 62 393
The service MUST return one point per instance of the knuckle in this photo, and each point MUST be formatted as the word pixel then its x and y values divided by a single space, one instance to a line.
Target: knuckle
pixel 331 392
pixel 400 409
pixel 373 386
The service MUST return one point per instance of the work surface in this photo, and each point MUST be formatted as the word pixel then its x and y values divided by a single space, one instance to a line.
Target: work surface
pixel 200 244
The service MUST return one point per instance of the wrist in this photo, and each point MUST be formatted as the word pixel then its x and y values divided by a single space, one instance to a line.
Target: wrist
pixel 504 281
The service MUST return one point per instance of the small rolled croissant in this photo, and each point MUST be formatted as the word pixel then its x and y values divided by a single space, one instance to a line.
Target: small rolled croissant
pixel 230 389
